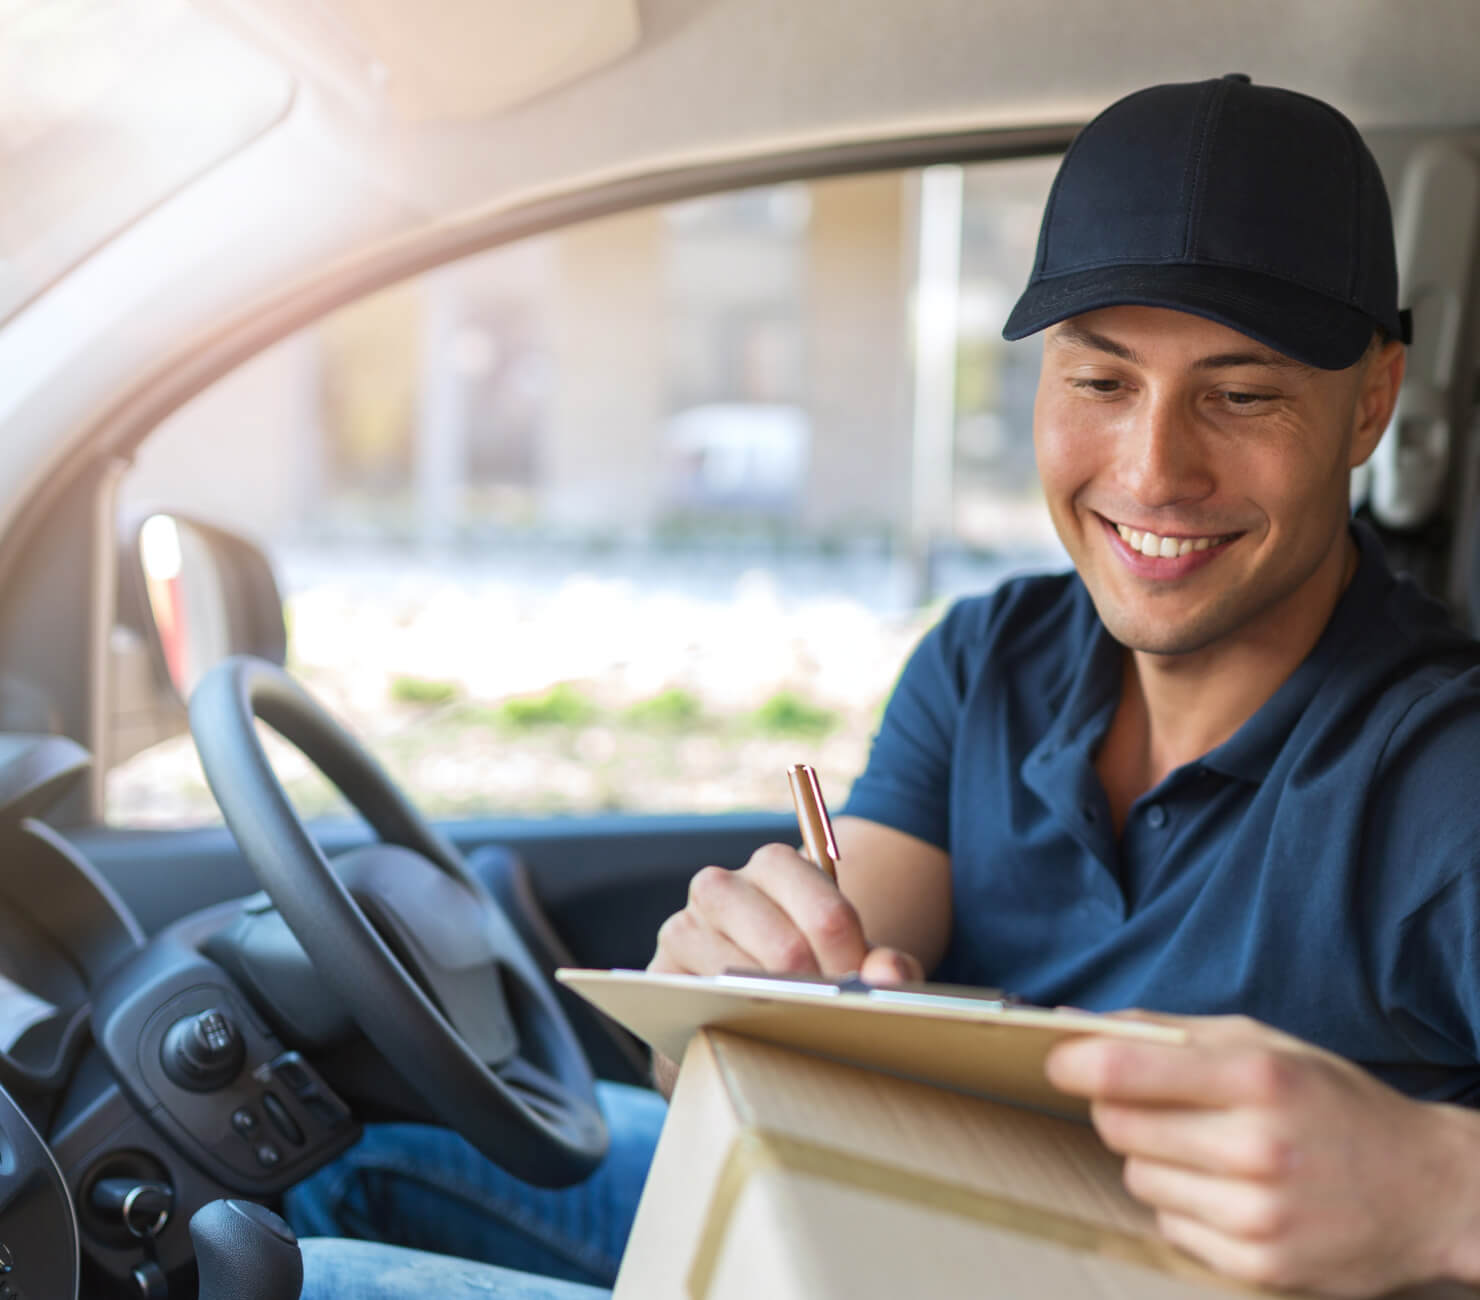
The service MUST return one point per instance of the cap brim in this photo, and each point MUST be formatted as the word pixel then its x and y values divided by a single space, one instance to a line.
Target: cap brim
pixel 1298 322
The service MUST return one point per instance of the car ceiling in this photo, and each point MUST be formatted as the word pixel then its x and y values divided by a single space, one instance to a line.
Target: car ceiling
pixel 377 156
pixel 665 82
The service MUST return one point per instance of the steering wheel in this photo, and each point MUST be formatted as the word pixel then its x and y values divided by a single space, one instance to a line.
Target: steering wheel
pixel 421 955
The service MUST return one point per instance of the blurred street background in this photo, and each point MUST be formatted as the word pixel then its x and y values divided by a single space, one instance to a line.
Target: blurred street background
pixel 632 516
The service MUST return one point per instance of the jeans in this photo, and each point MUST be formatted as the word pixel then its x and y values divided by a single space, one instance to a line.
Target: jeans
pixel 334 1269
pixel 415 1186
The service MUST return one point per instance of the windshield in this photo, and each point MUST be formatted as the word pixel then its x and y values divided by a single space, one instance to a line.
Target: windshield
pixel 106 107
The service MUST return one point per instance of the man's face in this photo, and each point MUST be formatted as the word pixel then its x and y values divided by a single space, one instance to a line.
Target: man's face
pixel 1197 478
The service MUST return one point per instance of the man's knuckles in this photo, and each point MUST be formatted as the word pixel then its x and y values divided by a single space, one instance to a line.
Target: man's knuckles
pixel 1121 1128
pixel 1263 1076
pixel 675 933
pixel 832 923
pixel 1099 1067
pixel 1258 1151
pixel 789 951
pixel 710 888
pixel 770 859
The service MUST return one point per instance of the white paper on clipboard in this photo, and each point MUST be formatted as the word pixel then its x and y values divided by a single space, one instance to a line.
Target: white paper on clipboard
pixel 978 1044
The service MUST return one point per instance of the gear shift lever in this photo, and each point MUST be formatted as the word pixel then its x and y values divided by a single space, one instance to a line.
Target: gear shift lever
pixel 245 1252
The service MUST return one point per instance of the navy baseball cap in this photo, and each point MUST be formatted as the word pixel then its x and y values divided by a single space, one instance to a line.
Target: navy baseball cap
pixel 1259 208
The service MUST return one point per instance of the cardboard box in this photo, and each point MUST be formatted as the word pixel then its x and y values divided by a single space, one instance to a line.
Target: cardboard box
pixel 784 1176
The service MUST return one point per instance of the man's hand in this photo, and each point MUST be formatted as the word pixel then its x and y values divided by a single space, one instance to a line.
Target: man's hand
pixel 1281 1164
pixel 777 913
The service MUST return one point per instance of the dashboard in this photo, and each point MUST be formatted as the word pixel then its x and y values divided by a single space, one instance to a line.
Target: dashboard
pixel 158 1085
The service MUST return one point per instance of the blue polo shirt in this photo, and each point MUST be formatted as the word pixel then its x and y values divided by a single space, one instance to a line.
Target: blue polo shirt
pixel 1320 870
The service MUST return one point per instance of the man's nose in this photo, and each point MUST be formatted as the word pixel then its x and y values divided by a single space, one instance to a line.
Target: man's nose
pixel 1162 459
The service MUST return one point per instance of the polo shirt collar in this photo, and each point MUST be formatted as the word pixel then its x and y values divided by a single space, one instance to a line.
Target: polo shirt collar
pixel 1059 768
pixel 1088 702
pixel 1250 752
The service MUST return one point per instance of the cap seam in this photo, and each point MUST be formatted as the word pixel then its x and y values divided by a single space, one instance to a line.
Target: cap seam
pixel 1190 196
pixel 1050 206
pixel 1354 160
pixel 1051 209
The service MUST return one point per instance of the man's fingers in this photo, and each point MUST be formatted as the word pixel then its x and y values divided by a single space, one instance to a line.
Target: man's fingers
pixel 890 966
pixel 1240 1208
pixel 687 945
pixel 1227 1032
pixel 1162 1074
pixel 733 903
pixel 1234 1142
pixel 777 913
pixel 815 905
pixel 1262 1263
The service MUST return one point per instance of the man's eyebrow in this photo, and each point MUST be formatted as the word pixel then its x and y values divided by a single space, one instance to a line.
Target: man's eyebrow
pixel 1077 335
pixel 1259 357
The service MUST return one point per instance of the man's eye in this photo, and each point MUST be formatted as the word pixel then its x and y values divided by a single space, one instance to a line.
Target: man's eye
pixel 1244 399
pixel 1097 385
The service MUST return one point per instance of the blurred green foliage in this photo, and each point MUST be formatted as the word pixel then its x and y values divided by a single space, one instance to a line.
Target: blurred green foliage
pixel 674 709
pixel 787 714
pixel 423 690
pixel 561 706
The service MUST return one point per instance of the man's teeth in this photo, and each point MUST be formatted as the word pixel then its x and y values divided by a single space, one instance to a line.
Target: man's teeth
pixel 1165 547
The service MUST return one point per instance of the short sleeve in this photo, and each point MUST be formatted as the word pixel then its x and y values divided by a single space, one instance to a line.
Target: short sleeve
pixel 906 784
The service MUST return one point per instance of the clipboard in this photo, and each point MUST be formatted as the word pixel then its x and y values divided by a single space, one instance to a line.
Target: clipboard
pixel 977 1041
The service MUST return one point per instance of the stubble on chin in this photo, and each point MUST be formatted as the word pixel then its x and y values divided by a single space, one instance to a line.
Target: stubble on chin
pixel 1170 632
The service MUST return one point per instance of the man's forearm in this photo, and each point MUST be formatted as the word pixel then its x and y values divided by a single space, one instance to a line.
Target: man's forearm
pixel 1455 1192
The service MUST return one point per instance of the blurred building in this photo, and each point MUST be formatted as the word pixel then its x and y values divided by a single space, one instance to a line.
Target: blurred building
pixel 741 362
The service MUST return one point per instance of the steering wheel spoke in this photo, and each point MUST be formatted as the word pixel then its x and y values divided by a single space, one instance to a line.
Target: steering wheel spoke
pixel 419 952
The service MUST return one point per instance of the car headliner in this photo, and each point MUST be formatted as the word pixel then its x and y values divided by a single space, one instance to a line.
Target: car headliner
pixel 346 193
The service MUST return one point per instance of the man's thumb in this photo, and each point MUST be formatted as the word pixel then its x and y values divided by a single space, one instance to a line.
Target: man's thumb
pixel 890 966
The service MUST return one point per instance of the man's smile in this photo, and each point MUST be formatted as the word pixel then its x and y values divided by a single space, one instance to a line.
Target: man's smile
pixel 1166 555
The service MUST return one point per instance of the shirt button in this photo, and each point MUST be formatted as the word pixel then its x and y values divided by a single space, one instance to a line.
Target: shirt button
pixel 1156 816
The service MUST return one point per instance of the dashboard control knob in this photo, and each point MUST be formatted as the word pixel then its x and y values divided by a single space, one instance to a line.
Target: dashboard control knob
pixel 203 1051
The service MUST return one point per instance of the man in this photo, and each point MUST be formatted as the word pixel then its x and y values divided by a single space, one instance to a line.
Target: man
pixel 1222 767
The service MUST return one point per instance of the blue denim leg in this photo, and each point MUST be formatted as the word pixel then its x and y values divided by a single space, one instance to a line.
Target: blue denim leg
pixel 424 1187
pixel 366 1270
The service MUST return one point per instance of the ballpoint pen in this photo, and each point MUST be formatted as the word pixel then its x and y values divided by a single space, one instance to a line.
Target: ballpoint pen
pixel 818 841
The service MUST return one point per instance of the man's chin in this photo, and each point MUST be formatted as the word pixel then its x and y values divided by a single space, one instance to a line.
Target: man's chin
pixel 1162 636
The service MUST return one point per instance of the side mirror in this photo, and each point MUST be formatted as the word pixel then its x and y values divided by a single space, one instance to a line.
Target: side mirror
pixel 208 593
pixel 189 595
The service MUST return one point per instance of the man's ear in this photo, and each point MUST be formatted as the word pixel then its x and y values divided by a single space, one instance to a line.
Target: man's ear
pixel 1381 378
